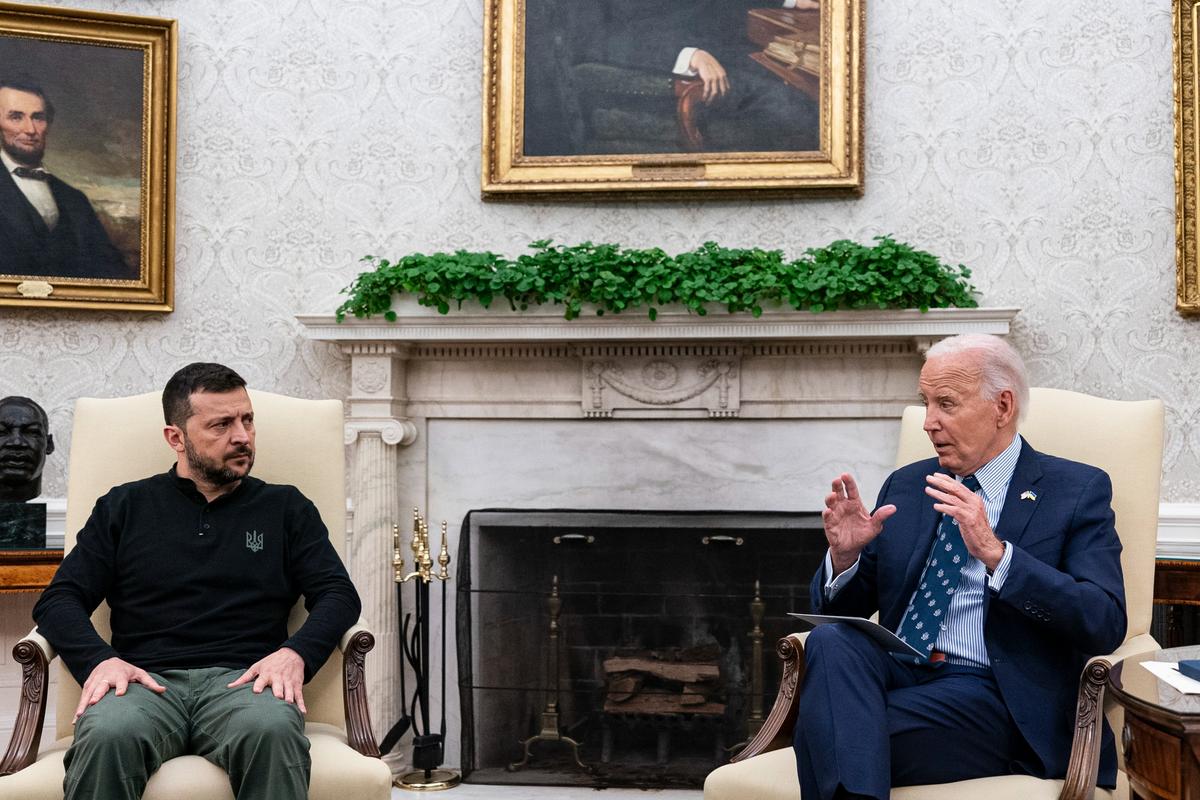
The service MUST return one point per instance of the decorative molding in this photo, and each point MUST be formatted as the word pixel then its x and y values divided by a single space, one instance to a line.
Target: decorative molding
pixel 490 352
pixel 392 430
pixel 658 383
pixel 371 377
pixel 1179 530
pixel 671 350
pixel 823 349
pixel 418 324
pixel 56 522
pixel 373 348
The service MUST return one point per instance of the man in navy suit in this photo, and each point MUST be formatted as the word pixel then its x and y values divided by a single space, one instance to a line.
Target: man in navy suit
pixel 47 228
pixel 1040 591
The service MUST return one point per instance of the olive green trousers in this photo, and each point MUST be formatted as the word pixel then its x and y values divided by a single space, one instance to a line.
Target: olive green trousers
pixel 257 739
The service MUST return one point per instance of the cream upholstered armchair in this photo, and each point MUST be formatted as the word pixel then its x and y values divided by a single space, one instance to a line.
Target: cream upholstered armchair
pixel 299 442
pixel 1124 439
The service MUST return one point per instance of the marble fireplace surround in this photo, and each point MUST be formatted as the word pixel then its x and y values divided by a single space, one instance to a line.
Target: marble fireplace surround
pixel 496 409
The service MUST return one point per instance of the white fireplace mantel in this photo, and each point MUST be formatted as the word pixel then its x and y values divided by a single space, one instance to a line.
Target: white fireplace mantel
pixel 424 325
pixel 498 409
pixel 536 365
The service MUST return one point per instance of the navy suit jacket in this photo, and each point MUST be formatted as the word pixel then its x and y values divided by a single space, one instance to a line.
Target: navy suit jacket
pixel 78 247
pixel 1062 602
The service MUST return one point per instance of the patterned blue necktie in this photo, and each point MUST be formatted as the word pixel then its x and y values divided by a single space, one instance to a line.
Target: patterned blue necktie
pixel 926 614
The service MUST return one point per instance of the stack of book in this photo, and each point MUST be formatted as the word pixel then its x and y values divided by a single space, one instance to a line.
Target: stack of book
pixel 801 24
pixel 790 43
pixel 795 53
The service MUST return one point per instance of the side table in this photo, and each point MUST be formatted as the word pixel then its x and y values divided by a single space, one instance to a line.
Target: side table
pixel 1161 734
pixel 27 570
pixel 1177 589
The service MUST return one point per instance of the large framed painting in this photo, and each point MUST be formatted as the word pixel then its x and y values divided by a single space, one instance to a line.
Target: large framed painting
pixel 87 159
pixel 671 97
pixel 1187 84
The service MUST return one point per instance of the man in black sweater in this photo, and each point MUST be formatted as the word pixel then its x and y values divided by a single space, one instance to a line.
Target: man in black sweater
pixel 200 567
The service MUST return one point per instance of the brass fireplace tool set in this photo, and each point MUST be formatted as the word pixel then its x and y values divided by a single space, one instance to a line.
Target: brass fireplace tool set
pixel 428 747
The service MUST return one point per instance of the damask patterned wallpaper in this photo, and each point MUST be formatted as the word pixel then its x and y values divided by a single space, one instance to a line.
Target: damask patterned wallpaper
pixel 1029 140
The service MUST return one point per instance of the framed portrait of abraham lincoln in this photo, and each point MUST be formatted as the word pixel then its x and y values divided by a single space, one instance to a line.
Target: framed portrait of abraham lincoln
pixel 671 97
pixel 87 138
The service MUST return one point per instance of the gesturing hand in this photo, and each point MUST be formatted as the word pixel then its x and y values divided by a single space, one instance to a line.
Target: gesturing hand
pixel 712 75
pixel 283 671
pixel 955 500
pixel 113 673
pixel 848 526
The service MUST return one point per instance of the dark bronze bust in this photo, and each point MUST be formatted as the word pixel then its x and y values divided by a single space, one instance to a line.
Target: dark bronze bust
pixel 25 441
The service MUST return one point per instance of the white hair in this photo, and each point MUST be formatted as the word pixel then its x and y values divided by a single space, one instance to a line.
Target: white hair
pixel 1000 366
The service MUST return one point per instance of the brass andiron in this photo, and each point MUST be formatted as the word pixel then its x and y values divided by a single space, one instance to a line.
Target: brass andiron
pixel 755 719
pixel 428 747
pixel 550 731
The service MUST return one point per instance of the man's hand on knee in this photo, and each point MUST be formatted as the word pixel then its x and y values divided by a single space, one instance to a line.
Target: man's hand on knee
pixel 283 671
pixel 113 673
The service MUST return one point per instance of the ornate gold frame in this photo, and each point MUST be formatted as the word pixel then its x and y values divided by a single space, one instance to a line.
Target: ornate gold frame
pixel 1187 281
pixel 156 40
pixel 836 168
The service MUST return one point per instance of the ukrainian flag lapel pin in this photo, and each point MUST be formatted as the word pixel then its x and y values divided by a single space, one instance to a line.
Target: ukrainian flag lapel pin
pixel 1029 494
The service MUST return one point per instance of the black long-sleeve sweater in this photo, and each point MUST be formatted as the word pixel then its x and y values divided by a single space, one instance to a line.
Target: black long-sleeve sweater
pixel 194 584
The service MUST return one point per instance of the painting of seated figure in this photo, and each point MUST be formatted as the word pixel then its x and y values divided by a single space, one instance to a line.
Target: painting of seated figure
pixel 631 95
pixel 609 76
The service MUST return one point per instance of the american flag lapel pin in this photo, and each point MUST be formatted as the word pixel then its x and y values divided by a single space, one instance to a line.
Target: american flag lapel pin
pixel 1029 494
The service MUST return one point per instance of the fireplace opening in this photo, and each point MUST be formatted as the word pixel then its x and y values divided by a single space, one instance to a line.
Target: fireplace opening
pixel 622 648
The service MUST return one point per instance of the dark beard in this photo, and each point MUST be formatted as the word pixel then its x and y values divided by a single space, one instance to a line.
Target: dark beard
pixel 26 158
pixel 213 472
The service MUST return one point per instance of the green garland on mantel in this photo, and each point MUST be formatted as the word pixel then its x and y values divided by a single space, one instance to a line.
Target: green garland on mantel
pixel 610 278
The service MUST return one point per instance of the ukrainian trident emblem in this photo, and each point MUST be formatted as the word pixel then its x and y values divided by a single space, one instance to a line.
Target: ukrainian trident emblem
pixel 254 541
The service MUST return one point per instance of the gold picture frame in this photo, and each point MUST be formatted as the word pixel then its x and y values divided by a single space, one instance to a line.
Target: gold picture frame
pixel 1187 280
pixel 595 99
pixel 101 89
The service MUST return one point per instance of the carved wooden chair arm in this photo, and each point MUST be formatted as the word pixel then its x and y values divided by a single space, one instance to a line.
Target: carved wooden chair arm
pixel 776 731
pixel 34 654
pixel 1080 783
pixel 355 644
pixel 689 96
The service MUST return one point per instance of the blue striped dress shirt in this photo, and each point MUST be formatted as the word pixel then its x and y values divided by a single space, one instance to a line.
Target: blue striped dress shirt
pixel 961 638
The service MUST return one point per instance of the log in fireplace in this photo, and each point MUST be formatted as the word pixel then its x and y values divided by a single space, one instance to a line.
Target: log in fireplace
pixel 622 648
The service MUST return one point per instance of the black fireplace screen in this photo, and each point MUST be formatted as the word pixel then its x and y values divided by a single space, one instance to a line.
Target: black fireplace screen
pixel 619 648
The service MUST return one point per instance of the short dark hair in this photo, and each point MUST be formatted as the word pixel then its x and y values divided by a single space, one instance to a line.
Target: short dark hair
pixel 17 400
pixel 23 83
pixel 201 376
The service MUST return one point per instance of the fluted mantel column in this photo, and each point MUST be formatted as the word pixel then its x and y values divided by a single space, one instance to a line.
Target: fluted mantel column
pixel 378 432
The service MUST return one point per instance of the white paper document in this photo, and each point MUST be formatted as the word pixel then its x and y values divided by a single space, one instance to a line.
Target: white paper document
pixel 883 637
pixel 1169 672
